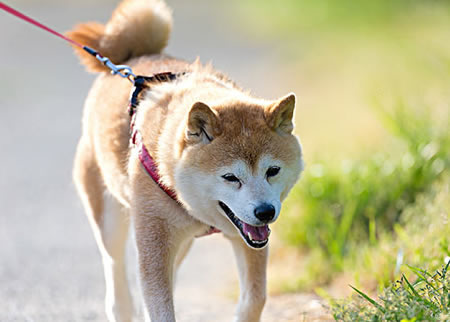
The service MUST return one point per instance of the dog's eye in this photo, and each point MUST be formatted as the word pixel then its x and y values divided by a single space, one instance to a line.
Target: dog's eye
pixel 230 177
pixel 272 172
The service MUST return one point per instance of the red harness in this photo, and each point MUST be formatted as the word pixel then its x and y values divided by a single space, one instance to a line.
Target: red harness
pixel 142 83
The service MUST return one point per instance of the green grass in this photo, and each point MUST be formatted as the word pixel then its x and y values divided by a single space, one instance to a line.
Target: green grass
pixel 360 200
pixel 425 299
pixel 420 238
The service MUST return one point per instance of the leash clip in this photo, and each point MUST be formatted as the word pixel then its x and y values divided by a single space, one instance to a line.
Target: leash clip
pixel 123 71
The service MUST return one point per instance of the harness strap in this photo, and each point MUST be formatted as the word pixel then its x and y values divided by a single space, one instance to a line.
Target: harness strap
pixel 149 164
pixel 141 84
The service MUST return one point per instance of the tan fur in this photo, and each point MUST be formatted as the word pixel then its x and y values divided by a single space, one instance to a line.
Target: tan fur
pixel 193 126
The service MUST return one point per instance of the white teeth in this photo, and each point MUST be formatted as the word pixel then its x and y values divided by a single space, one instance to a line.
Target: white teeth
pixel 259 241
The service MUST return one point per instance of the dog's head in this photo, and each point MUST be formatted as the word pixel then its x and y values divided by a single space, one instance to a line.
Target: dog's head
pixel 238 161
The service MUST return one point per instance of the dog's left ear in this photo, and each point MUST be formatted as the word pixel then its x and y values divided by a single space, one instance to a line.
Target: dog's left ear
pixel 203 124
pixel 280 114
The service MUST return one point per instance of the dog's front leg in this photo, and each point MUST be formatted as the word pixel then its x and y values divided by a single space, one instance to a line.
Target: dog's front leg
pixel 252 280
pixel 156 253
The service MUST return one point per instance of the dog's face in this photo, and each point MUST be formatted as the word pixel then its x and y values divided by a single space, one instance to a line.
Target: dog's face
pixel 238 162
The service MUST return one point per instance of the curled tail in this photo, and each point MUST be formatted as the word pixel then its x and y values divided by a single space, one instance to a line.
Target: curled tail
pixel 136 28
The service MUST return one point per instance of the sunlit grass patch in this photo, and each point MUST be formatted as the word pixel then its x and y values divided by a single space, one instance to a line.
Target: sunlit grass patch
pixel 356 201
pixel 421 238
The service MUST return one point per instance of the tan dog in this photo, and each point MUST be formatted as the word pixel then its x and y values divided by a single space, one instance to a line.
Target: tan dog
pixel 230 158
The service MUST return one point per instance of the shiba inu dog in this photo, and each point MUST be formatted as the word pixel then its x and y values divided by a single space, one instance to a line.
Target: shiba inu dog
pixel 230 159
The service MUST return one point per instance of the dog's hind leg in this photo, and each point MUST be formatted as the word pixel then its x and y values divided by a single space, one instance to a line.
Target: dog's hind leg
pixel 110 223
pixel 252 280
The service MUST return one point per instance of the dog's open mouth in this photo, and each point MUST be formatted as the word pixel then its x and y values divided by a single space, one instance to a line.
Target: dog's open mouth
pixel 254 236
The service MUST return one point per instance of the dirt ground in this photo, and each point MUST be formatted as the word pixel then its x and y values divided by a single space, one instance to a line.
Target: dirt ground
pixel 49 265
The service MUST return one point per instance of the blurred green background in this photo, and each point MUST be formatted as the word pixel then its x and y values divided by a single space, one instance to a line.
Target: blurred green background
pixel 372 80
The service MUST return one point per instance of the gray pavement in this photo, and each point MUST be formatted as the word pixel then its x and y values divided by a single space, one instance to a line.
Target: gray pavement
pixel 50 269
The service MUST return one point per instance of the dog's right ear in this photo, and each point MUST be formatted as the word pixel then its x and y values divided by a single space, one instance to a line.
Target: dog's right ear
pixel 279 115
pixel 203 124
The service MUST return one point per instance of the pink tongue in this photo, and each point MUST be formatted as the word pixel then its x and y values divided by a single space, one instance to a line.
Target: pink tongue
pixel 258 233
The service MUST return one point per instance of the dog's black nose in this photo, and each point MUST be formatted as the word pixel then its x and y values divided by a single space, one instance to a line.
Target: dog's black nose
pixel 265 212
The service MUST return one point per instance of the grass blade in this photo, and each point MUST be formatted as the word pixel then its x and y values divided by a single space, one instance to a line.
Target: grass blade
pixel 410 286
pixel 418 296
pixel 419 272
pixel 373 302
